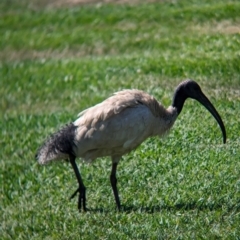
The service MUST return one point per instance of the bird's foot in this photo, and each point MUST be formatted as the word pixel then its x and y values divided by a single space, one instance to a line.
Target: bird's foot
pixel 81 198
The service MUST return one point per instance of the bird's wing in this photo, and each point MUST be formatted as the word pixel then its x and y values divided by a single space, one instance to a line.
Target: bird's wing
pixel 121 122
pixel 116 135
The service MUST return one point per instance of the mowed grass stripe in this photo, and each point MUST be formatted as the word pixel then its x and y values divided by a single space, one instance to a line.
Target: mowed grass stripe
pixel 105 25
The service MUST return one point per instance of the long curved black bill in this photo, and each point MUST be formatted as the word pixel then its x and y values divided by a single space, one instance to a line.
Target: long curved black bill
pixel 208 105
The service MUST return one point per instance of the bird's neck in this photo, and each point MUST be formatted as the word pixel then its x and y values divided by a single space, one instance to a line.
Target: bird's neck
pixel 179 99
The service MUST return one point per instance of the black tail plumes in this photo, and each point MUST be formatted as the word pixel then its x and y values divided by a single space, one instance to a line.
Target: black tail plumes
pixel 58 146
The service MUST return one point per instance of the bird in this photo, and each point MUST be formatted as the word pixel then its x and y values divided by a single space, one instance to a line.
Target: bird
pixel 117 126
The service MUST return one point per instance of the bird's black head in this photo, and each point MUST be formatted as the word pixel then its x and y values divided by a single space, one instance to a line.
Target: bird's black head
pixel 186 89
pixel 190 89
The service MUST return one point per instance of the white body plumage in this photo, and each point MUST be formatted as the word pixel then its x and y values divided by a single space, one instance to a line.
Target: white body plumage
pixel 115 127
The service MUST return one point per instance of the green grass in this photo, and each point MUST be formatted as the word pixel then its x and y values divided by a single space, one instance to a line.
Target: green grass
pixel 55 62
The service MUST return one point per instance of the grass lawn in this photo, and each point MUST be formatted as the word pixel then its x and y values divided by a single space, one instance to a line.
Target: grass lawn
pixel 58 59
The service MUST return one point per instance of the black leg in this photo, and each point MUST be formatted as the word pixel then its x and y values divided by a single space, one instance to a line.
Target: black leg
pixel 113 180
pixel 81 189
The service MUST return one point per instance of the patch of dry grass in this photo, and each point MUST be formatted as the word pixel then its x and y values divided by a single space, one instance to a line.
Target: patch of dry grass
pixel 21 55
pixel 223 27
pixel 71 3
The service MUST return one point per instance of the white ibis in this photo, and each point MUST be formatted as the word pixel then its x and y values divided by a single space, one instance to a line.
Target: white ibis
pixel 115 127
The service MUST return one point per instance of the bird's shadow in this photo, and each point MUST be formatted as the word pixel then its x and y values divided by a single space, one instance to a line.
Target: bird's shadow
pixel 195 205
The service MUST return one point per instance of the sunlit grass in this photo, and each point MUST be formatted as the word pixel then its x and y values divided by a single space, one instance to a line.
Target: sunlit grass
pixel 55 62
